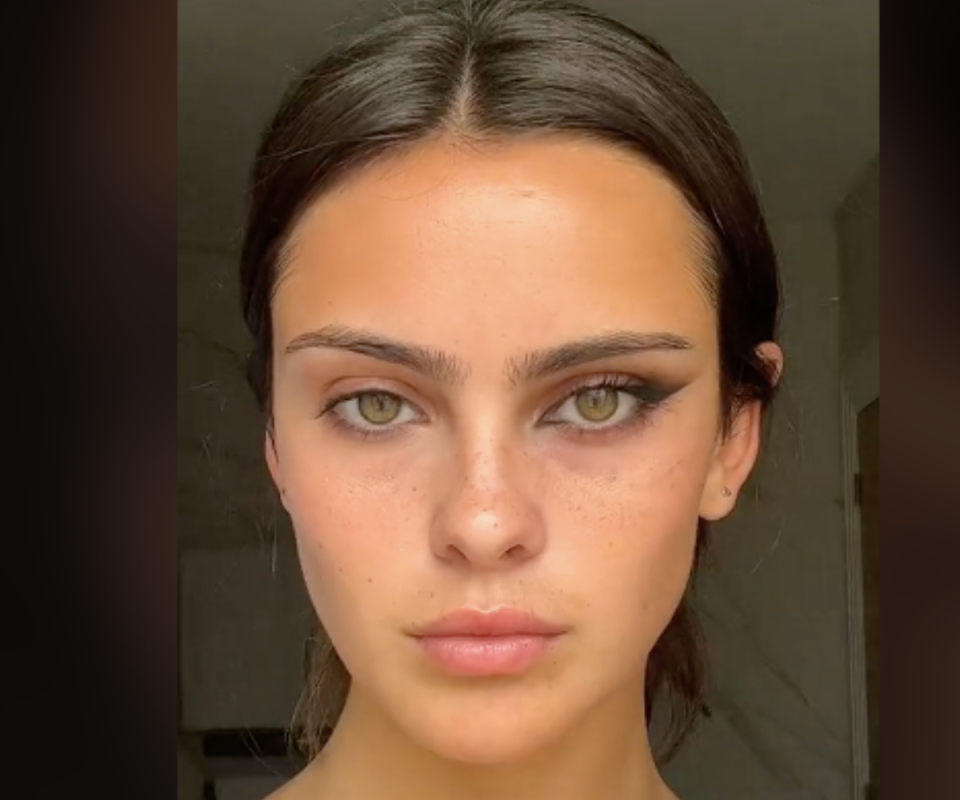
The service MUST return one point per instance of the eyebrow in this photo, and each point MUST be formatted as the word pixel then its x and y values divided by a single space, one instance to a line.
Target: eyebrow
pixel 448 369
pixel 440 366
pixel 543 363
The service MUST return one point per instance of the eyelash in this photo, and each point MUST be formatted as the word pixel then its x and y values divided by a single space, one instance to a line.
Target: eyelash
pixel 648 396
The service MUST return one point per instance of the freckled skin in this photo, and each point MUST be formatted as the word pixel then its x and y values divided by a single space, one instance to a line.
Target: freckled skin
pixel 488 255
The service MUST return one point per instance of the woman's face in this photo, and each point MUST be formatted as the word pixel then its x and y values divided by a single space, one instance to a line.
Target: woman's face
pixel 496 387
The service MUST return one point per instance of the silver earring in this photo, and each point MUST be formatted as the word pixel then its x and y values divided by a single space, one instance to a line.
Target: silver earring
pixel 726 492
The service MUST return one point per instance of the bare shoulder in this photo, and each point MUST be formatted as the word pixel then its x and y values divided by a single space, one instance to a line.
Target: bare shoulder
pixel 294 789
pixel 286 792
pixel 280 794
pixel 300 787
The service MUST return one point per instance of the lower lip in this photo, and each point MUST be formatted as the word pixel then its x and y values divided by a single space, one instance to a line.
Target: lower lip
pixel 486 656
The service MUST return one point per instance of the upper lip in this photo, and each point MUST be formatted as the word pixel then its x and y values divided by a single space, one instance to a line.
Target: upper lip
pixel 496 622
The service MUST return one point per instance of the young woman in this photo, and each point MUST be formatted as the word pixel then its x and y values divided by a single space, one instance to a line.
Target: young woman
pixel 514 305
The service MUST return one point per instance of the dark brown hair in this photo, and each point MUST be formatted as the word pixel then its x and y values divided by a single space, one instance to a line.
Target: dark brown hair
pixel 483 71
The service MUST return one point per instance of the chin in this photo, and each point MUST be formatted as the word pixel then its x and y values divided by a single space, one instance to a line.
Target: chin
pixel 485 747
pixel 486 732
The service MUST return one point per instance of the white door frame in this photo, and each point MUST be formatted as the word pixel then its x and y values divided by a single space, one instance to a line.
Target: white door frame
pixel 860 386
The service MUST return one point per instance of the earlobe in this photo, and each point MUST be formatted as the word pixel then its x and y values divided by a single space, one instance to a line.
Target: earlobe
pixel 733 461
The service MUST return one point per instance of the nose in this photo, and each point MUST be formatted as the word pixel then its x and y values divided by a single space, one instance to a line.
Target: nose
pixel 490 516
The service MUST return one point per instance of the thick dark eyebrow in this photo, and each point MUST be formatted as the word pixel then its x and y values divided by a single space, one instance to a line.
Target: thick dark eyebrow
pixel 445 368
pixel 441 367
pixel 543 363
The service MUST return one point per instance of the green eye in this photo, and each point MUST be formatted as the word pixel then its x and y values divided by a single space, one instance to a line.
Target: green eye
pixel 598 404
pixel 378 408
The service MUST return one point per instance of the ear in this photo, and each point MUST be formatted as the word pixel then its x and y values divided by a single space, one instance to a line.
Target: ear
pixel 733 461
pixel 273 464
pixel 736 455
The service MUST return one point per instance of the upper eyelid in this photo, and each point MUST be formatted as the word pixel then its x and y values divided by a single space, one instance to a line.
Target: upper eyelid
pixel 337 397
pixel 616 381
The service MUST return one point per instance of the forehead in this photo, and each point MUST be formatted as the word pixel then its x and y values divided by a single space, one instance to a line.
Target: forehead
pixel 531 241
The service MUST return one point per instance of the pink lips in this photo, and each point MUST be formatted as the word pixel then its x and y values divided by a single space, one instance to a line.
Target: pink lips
pixel 474 643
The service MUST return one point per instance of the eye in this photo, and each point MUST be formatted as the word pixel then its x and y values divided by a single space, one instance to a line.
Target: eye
pixel 372 411
pixel 379 409
pixel 610 403
pixel 597 405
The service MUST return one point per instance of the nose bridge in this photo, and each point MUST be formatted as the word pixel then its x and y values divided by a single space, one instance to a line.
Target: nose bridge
pixel 489 516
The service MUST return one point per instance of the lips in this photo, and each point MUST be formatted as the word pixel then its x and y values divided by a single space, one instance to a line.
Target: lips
pixel 498 622
pixel 473 643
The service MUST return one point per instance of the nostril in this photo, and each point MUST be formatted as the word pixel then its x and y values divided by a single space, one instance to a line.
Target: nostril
pixel 454 553
pixel 516 551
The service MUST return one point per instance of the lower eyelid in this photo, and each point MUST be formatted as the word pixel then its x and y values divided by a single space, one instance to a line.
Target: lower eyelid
pixel 640 419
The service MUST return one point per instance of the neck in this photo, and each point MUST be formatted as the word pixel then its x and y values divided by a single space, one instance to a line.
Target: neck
pixel 607 755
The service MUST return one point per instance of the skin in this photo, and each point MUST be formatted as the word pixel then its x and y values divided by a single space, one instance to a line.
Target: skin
pixel 491 487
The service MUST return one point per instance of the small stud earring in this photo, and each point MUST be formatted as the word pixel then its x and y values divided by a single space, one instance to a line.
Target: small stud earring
pixel 726 492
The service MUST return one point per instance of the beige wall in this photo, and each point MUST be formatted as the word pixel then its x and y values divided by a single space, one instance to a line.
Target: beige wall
pixel 858 232
pixel 774 596
pixel 858 229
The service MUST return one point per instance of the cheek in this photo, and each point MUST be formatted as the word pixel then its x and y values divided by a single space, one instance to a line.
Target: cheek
pixel 353 533
pixel 629 542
